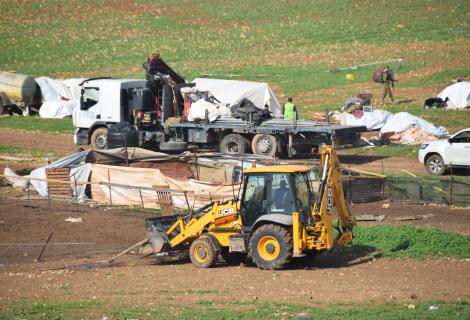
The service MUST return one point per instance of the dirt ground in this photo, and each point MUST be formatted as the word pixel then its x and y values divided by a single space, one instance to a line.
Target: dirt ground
pixel 71 268
pixel 104 232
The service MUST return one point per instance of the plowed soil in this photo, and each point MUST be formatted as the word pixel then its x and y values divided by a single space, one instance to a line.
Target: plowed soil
pixel 71 267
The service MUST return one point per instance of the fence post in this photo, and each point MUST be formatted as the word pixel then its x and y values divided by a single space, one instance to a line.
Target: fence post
pixel 110 197
pixel 451 187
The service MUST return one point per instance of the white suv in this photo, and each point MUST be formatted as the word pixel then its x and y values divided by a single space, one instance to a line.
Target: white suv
pixel 438 155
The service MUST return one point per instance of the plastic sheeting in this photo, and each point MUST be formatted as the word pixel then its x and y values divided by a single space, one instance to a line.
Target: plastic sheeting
pixel 372 120
pixel 149 178
pixel 403 120
pixel 60 97
pixel 458 95
pixel 81 174
pixel 198 111
pixel 233 91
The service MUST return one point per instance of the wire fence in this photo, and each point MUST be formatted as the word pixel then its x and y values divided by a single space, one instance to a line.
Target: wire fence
pixel 447 191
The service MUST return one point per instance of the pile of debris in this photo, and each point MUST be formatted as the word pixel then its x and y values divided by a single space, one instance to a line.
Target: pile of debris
pixel 401 128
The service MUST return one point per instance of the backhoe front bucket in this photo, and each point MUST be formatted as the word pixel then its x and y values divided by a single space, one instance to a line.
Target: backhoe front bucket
pixel 156 229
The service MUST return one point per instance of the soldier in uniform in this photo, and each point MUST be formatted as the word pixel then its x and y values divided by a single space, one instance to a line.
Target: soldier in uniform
pixel 387 81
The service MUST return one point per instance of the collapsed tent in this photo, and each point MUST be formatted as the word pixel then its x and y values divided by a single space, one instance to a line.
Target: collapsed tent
pixel 457 95
pixel 122 185
pixel 373 120
pixel 233 91
pixel 61 97
pixel 402 121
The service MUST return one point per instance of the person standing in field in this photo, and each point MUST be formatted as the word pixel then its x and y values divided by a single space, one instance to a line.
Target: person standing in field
pixel 289 110
pixel 387 81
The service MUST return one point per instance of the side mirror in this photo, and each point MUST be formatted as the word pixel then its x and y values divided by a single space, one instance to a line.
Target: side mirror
pixel 82 105
pixel 451 140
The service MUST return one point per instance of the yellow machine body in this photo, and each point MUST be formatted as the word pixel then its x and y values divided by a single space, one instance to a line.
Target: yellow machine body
pixel 273 239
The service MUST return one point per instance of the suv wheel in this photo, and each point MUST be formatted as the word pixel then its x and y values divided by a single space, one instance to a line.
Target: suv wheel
pixel 435 165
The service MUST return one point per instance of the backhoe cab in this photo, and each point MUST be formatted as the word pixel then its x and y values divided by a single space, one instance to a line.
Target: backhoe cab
pixel 277 218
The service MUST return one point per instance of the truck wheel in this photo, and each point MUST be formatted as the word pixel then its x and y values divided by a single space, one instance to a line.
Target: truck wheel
pixel 435 165
pixel 264 145
pixel 99 139
pixel 202 253
pixel 173 146
pixel 271 247
pixel 234 144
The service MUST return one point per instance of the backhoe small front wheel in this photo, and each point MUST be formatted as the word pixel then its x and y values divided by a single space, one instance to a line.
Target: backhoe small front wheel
pixel 271 247
pixel 202 253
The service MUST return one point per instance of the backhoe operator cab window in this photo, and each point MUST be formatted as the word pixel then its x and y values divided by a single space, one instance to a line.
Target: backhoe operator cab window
pixel 89 97
pixel 281 194
pixel 254 198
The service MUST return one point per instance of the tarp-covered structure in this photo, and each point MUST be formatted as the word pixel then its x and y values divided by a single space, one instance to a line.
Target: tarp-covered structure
pixel 122 185
pixel 233 91
pixel 457 95
pixel 60 97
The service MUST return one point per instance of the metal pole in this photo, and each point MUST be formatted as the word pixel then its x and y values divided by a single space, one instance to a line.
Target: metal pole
pixel 109 185
pixel 44 248
pixel 76 192
pixel 451 186
pixel 141 199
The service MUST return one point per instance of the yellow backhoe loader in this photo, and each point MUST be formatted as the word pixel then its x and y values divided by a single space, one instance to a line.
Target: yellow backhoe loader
pixel 276 219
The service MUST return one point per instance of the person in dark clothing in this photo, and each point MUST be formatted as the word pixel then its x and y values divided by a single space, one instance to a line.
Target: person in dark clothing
pixel 387 81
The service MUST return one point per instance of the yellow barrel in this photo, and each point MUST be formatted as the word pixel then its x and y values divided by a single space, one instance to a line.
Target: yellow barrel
pixel 18 86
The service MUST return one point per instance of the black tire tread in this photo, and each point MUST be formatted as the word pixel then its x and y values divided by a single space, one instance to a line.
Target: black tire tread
pixel 284 259
pixel 211 251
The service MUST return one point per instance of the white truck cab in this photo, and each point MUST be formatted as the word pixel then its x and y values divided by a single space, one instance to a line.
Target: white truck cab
pixel 441 154
pixel 103 102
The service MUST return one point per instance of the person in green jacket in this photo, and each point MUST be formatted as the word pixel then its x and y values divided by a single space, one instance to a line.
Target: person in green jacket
pixel 289 110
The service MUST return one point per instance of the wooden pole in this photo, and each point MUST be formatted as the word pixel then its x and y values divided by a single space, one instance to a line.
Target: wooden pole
pixel 44 248
pixel 109 186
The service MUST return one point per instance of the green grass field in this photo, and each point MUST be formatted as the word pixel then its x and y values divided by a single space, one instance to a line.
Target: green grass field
pixel 235 310
pixel 291 45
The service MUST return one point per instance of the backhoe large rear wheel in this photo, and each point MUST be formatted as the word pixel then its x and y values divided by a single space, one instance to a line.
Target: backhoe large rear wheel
pixel 202 253
pixel 271 247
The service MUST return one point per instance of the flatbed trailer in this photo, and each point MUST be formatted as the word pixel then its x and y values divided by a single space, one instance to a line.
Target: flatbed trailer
pixel 275 136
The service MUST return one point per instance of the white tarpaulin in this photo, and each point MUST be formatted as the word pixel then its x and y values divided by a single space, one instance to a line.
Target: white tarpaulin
pixel 81 173
pixel 60 97
pixel 372 120
pixel 233 91
pixel 125 183
pixel 458 95
pixel 198 111
pixel 401 121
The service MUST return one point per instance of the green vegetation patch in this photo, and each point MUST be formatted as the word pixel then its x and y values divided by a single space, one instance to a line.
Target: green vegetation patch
pixel 38 124
pixel 237 310
pixel 386 151
pixel 409 242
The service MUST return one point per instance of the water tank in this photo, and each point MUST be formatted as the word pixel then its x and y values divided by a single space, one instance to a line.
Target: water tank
pixel 18 86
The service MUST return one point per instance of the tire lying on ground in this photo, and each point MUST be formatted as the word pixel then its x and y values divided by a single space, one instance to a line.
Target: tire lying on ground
pixel 264 145
pixel 99 139
pixel 234 144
